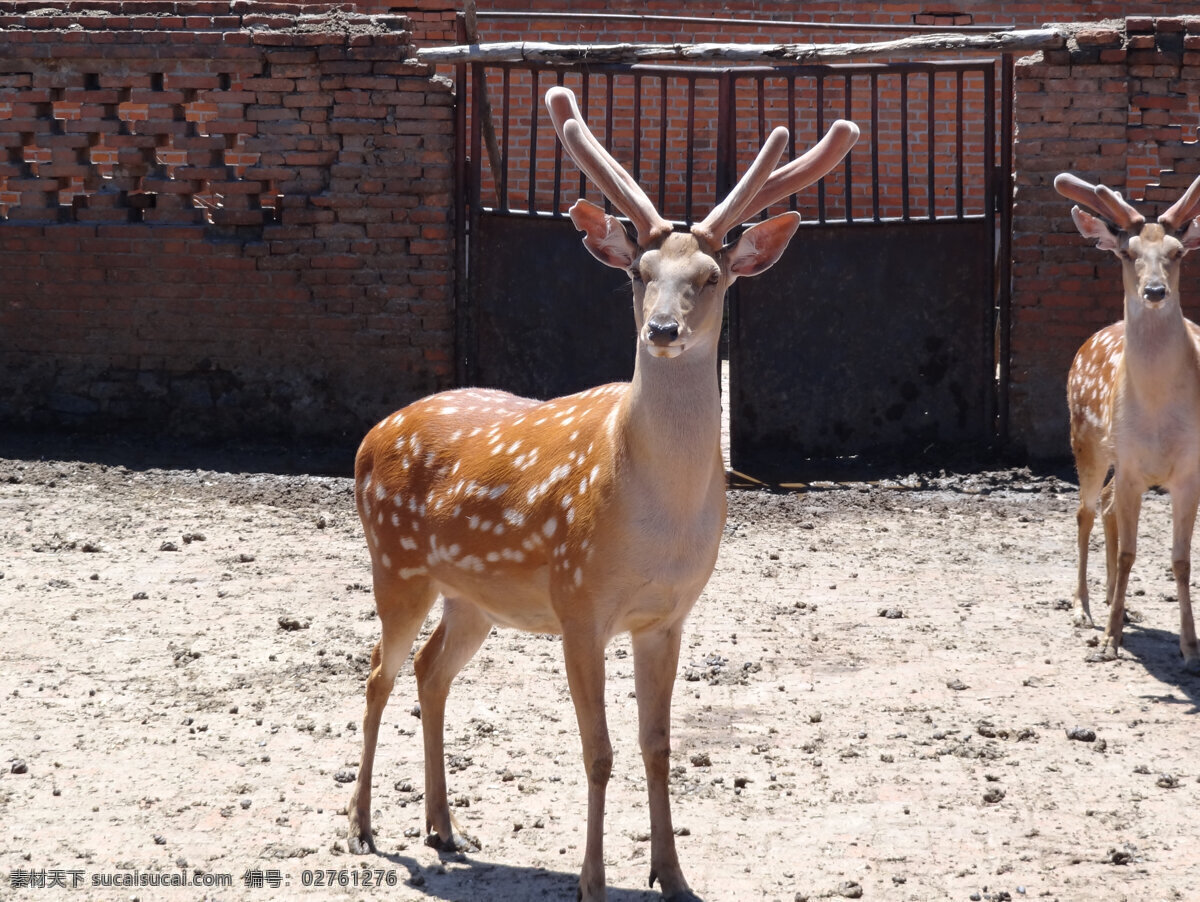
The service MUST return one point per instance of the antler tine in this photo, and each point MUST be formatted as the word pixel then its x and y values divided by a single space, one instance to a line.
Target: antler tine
pixel 1099 198
pixel 610 177
pixel 800 173
pixel 1182 210
pixel 809 166
pixel 735 208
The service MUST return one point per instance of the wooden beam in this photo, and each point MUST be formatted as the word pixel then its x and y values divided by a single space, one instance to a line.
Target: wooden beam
pixel 914 46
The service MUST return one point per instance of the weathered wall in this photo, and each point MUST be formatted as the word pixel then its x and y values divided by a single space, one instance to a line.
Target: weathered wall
pixel 1119 107
pixel 220 218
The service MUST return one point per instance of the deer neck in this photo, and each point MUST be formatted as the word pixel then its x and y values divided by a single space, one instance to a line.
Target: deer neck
pixel 673 422
pixel 1160 357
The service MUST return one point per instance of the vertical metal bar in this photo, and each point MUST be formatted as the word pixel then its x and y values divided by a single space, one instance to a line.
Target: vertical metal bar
pixel 726 174
pixel 586 100
pixel 502 188
pixel 793 202
pixel 534 116
pixel 637 128
pixel 958 145
pixel 848 166
pixel 1004 275
pixel 875 146
pixel 608 123
pixel 691 155
pixel 462 294
pixel 988 289
pixel 558 162
pixel 820 133
pixel 931 169
pixel 662 143
pixel 904 145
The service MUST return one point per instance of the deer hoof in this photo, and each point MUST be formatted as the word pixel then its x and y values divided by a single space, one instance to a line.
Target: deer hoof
pixel 1192 664
pixel 1082 619
pixel 360 843
pixel 456 843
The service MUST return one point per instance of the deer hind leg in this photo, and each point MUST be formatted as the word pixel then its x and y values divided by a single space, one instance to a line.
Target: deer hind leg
pixel 1126 507
pixel 402 606
pixel 1109 514
pixel 1091 481
pixel 1183 518
pixel 583 655
pixel 462 630
pixel 656 657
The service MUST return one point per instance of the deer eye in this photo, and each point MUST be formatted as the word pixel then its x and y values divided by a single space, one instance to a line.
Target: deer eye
pixel 714 278
pixel 636 275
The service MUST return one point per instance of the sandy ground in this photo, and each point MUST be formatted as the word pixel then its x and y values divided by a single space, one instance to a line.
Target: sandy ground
pixel 184 652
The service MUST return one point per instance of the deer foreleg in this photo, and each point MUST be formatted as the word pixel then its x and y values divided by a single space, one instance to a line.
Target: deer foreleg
pixel 1126 507
pixel 583 654
pixel 656 658
pixel 1183 516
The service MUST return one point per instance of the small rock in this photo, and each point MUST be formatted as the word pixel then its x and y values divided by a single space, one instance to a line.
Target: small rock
pixel 1167 781
pixel 1119 856
pixel 993 795
pixel 851 889
pixel 740 782
pixel 159 839
pixel 291 624
pixel 1081 734
pixel 891 613
pixel 19 767
pixel 956 684
pixel 701 759
pixel 189 537
pixel 415 711
pixel 345 775
pixel 168 546
pixel 245 558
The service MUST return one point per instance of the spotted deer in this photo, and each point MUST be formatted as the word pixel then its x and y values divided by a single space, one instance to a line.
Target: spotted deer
pixel 589 515
pixel 1134 397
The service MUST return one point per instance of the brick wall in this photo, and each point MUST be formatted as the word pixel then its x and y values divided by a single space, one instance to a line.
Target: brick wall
pixel 220 218
pixel 1121 107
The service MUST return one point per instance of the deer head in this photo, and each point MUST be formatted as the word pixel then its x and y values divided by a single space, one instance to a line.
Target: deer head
pixel 1149 251
pixel 680 278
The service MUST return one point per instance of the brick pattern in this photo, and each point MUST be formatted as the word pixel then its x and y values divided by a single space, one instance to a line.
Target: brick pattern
pixel 1120 106
pixel 220 218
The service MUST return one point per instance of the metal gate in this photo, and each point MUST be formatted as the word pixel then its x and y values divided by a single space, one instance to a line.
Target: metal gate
pixel 880 336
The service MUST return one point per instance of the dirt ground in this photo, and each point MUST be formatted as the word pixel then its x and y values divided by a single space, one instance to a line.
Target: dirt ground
pixel 874 701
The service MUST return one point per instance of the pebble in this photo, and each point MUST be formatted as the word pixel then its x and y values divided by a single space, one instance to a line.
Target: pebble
pixel 1081 734
pixel 344 775
pixel 19 767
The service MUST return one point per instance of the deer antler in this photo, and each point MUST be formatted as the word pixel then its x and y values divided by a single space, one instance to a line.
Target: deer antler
pixel 613 181
pixel 753 193
pixel 1181 212
pixel 1101 199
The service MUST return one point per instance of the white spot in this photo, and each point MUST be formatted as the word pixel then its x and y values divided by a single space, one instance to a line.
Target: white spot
pixel 485 525
pixel 395 519
pixel 448 411
pixel 472 522
pixel 570 515
pixel 492 557
pixel 578 576
pixel 550 527
pixel 515 517
pixel 385 560
pixel 408 544
pixel 409 572
pixel 380 492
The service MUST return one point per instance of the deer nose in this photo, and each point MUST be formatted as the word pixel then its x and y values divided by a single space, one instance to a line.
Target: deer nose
pixel 1154 292
pixel 662 330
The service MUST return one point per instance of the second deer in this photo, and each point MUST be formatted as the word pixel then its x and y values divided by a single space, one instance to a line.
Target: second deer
pixel 1134 398
pixel 590 515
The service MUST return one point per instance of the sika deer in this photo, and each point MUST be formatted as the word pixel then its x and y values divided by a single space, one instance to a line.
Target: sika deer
pixel 589 515
pixel 1134 396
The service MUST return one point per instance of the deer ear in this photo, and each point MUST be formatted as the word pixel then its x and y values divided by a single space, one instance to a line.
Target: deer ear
pixel 1190 239
pixel 762 244
pixel 1095 229
pixel 606 237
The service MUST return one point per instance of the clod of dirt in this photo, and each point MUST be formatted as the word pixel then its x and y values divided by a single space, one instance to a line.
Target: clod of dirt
pixel 1167 781
pixel 891 613
pixel 1118 856
pixel 245 558
pixel 91 547
pixel 993 795
pixel 189 537
pixel 741 782
pixel 291 624
pixel 159 839
pixel 280 851
pixel 956 684
pixel 701 759
pixel 168 546
pixel 345 775
pixel 1081 734
pixel 851 889
pixel 814 717
pixel 415 711
pixel 19 767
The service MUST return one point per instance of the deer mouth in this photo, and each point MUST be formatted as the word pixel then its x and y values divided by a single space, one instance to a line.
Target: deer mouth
pixel 665 351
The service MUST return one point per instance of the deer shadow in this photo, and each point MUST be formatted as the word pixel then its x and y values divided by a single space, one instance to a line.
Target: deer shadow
pixel 482 879
pixel 1157 651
